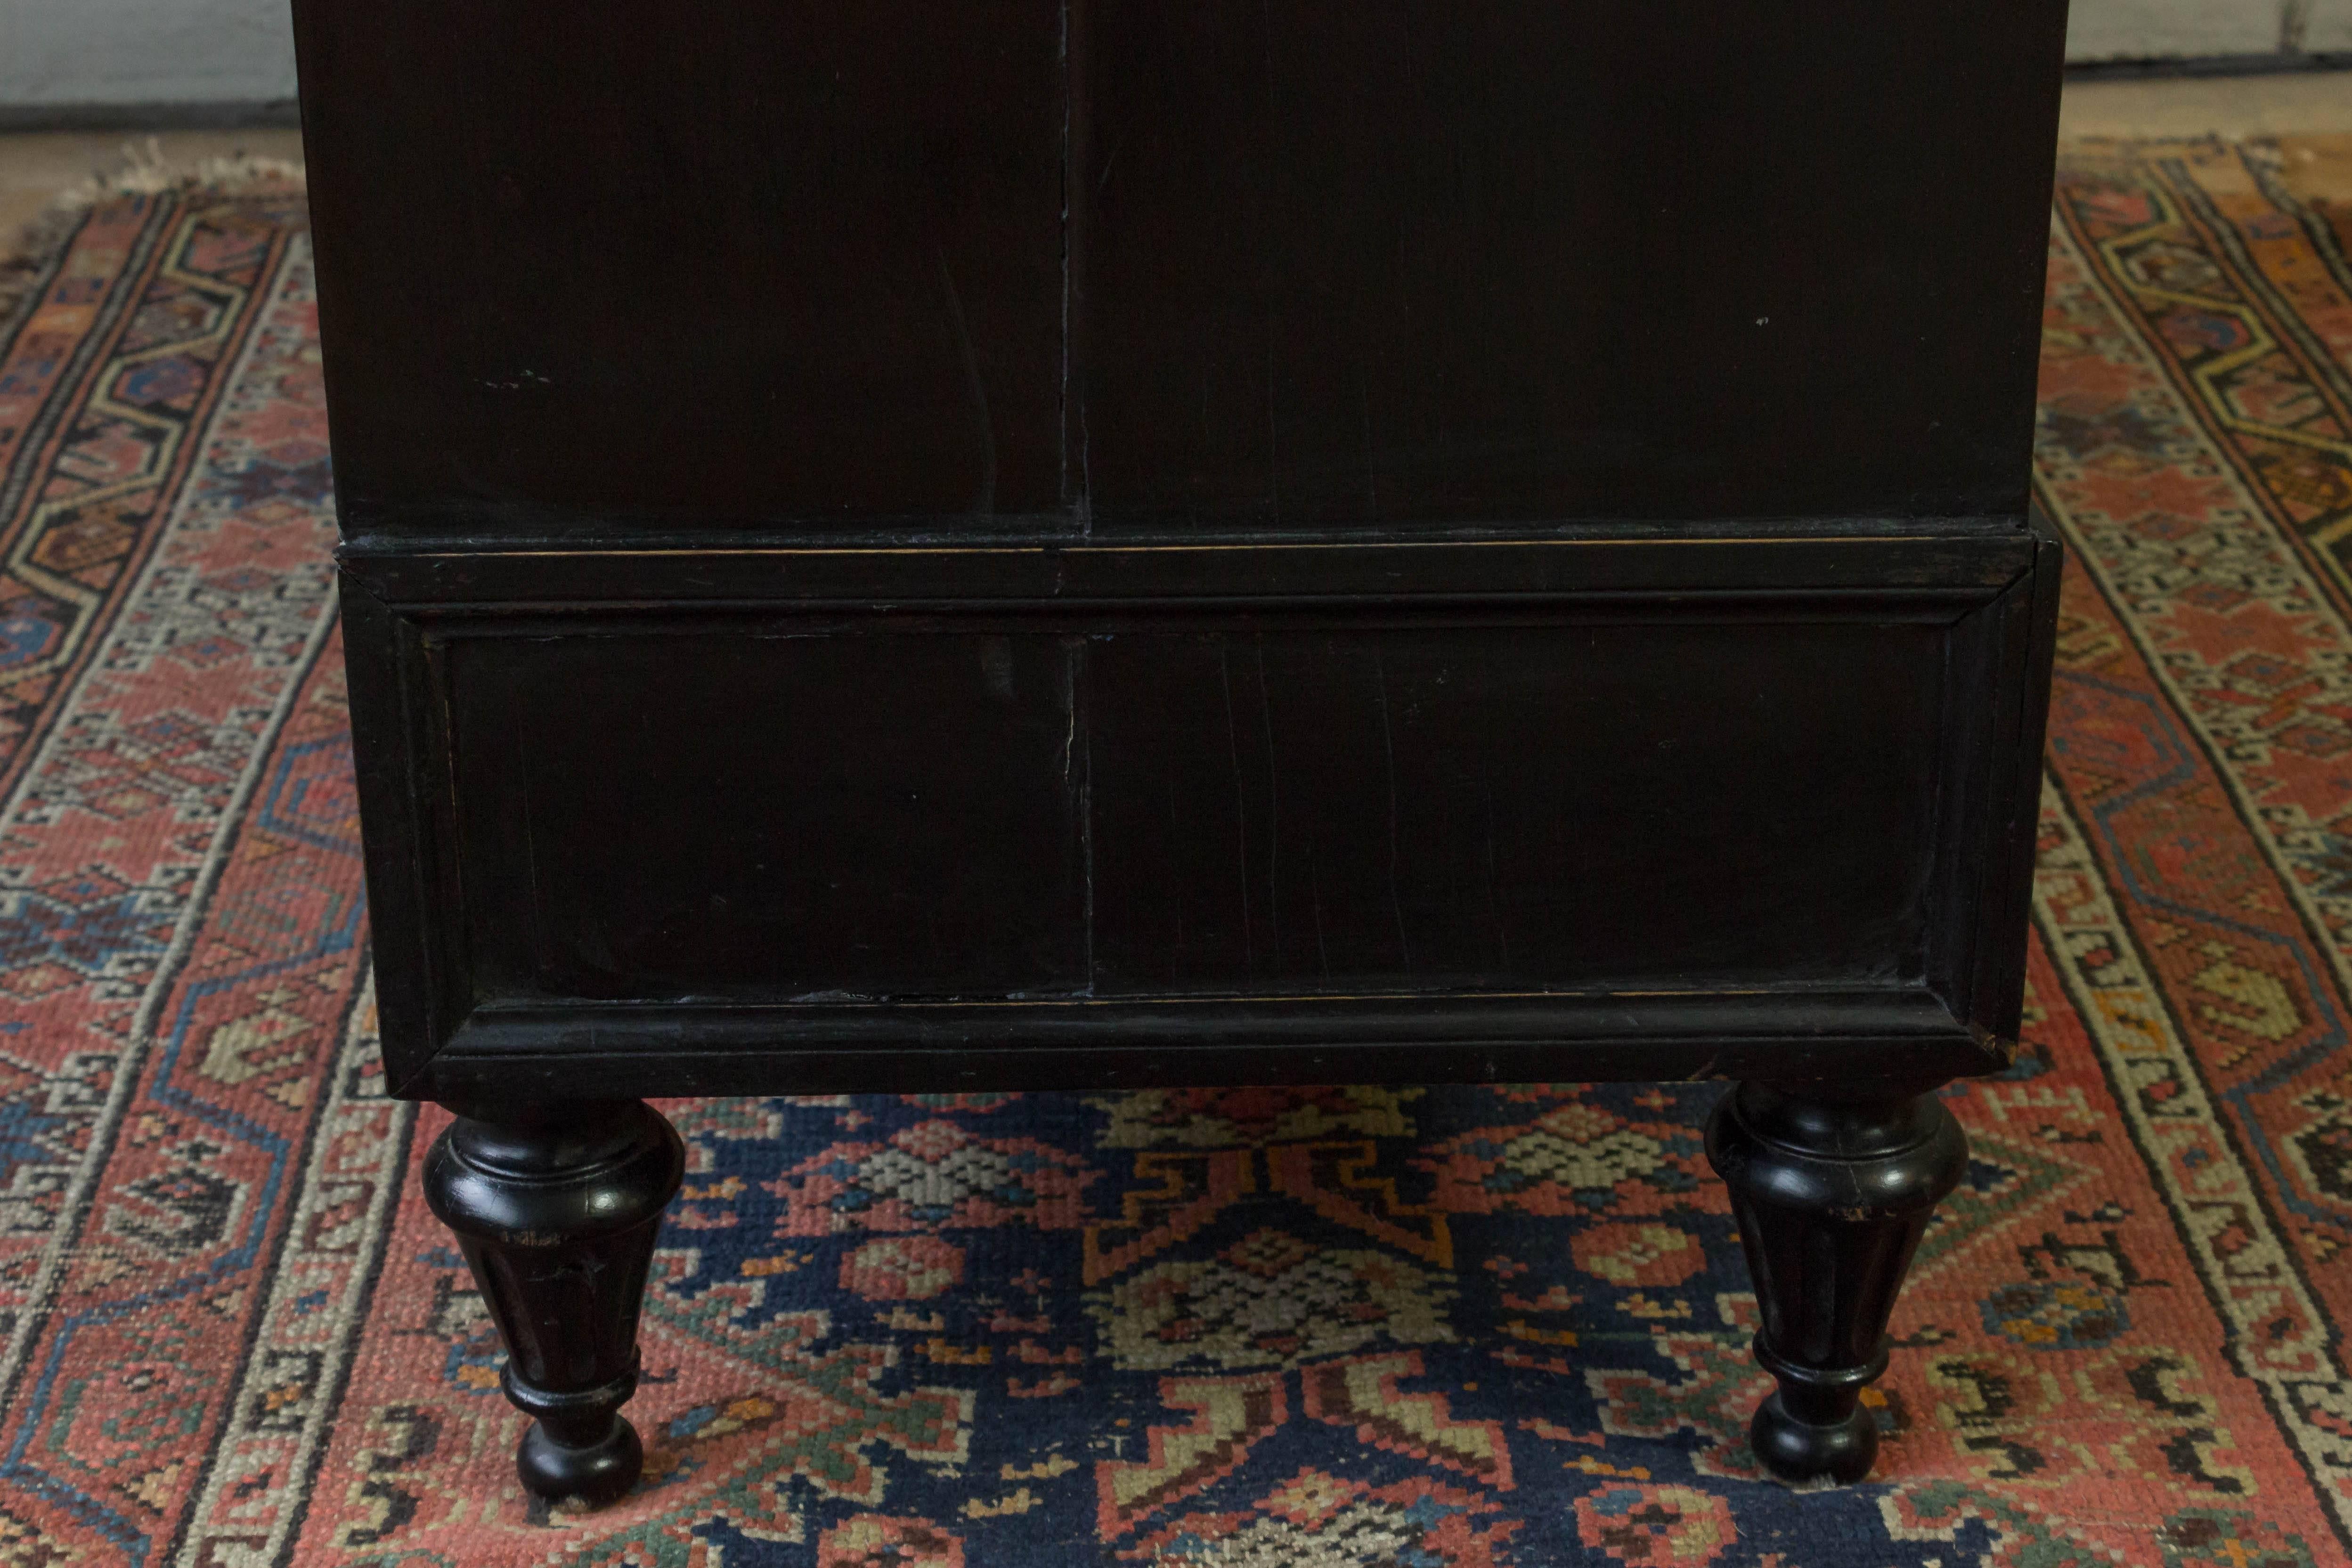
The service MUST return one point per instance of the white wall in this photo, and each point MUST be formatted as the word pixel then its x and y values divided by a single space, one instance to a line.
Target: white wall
pixel 145 51
pixel 2143 29
pixel 2185 29
pixel 2327 26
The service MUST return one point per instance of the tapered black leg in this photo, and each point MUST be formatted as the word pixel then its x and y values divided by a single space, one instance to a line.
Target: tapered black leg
pixel 555 1207
pixel 1830 1194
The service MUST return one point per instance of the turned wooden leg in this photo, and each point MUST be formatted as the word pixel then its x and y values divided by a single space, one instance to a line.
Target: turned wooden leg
pixel 1831 1194
pixel 555 1207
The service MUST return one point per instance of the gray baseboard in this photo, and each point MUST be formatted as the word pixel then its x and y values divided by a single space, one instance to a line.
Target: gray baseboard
pixel 2273 64
pixel 274 113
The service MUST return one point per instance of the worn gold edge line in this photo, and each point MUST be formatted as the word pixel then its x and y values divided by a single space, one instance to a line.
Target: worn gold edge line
pixel 895 1005
pixel 1080 547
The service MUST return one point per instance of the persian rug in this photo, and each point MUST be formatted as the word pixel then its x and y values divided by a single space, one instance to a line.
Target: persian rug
pixel 1336 1328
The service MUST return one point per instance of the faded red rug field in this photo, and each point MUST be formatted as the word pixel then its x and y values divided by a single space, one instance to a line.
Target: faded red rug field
pixel 1454 1328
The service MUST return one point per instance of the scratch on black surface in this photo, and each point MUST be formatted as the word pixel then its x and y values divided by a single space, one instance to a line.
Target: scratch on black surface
pixel 1315 888
pixel 1241 801
pixel 1086 476
pixel 530 846
pixel 1075 668
pixel 1274 809
pixel 1069 116
pixel 1175 836
pixel 1273 439
pixel 1494 907
pixel 985 502
pixel 1388 740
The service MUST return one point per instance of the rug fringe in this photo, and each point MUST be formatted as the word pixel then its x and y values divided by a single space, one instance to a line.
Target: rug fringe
pixel 144 170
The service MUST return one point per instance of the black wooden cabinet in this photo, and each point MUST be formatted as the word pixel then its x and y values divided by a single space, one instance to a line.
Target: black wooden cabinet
pixel 1023 545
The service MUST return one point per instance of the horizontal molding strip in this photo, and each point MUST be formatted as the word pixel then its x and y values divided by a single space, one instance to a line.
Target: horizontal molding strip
pixel 1255 573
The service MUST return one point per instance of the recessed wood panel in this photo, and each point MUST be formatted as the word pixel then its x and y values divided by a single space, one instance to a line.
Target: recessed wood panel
pixel 867 813
pixel 1599 806
pixel 709 816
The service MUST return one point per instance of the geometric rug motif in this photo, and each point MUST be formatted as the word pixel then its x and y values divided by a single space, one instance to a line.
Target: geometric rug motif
pixel 1451 1327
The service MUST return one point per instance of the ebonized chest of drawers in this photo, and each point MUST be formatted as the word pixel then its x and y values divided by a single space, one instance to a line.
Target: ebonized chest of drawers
pixel 1072 543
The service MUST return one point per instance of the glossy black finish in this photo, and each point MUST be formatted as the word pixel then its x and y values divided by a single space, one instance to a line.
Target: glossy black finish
pixel 1534 261
pixel 1831 1196
pixel 694 261
pixel 555 1205
pixel 1253 265
pixel 1024 544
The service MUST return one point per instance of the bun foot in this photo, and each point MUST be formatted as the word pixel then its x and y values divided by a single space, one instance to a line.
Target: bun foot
pixel 580 1445
pixel 601 1472
pixel 1843 1448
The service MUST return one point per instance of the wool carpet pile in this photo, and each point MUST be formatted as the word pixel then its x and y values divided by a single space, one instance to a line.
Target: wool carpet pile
pixel 1336 1328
